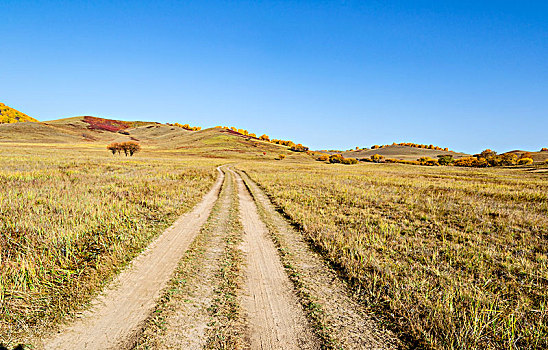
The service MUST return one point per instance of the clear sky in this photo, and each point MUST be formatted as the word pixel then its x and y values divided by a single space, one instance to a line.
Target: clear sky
pixel 468 75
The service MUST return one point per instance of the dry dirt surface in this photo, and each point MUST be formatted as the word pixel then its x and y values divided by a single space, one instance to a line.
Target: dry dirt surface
pixel 276 319
pixel 348 323
pixel 116 316
pixel 186 317
pixel 270 307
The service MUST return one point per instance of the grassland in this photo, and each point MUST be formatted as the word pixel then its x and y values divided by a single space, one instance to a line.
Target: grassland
pixel 72 216
pixel 454 258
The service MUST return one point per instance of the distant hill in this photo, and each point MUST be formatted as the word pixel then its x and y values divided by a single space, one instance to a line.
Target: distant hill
pixel 401 152
pixel 541 156
pixel 11 115
pixel 214 142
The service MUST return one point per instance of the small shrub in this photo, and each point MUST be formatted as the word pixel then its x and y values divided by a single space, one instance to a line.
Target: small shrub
pixel 299 148
pixel 335 158
pixel 466 162
pixel 323 158
pixel 445 159
pixel 281 156
pixel 428 161
pixel 377 158
pixel 525 161
pixel 349 161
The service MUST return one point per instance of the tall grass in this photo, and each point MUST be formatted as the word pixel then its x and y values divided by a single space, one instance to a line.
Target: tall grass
pixel 69 219
pixel 456 258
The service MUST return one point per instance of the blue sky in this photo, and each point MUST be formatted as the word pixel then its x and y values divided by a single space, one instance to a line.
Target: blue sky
pixel 468 75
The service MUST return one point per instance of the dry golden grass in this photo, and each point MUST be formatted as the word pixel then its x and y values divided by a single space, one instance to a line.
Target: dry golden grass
pixel 455 258
pixel 70 218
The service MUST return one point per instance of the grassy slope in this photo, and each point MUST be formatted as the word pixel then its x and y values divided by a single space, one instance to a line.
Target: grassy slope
pixel 212 143
pixel 70 218
pixel 10 115
pixel 458 257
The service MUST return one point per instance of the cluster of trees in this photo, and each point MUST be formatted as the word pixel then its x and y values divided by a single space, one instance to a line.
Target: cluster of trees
pixel 240 131
pixel 186 126
pixel 299 148
pixel 410 144
pixel 490 158
pixel 129 148
pixel 487 158
pixel 544 149
pixel 337 159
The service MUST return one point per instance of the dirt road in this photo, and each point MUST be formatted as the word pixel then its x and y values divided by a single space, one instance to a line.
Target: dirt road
pixel 115 318
pixel 276 319
pixel 263 300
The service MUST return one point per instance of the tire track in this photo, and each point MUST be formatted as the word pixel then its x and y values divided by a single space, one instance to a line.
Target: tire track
pixel 116 316
pixel 342 318
pixel 275 318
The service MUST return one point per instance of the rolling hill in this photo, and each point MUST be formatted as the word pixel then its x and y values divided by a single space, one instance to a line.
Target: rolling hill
pixel 11 115
pixel 400 152
pixel 214 142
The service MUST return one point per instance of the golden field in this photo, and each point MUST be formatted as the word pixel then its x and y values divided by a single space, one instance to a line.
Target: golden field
pixel 455 258
pixel 73 215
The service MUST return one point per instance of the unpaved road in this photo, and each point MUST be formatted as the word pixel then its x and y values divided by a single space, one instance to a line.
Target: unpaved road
pixel 270 311
pixel 115 317
pixel 276 318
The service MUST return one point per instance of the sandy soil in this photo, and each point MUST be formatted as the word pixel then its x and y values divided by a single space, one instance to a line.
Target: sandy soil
pixel 275 317
pixel 116 316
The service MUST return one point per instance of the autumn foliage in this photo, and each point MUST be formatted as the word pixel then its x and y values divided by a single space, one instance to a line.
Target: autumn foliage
pixel 410 144
pixel 186 127
pixel 299 148
pixel 106 124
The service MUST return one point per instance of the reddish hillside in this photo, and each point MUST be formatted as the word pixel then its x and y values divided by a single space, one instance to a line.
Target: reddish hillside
pixel 106 124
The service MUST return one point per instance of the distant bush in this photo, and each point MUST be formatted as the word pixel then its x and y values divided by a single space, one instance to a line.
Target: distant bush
pixel 335 158
pixel 264 137
pixel 525 161
pixel 338 158
pixel 377 158
pixel 466 161
pixel 445 159
pixel 281 156
pixel 544 149
pixel 299 148
pixel 187 127
pixel 349 161
pixel 323 158
pixel 428 161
